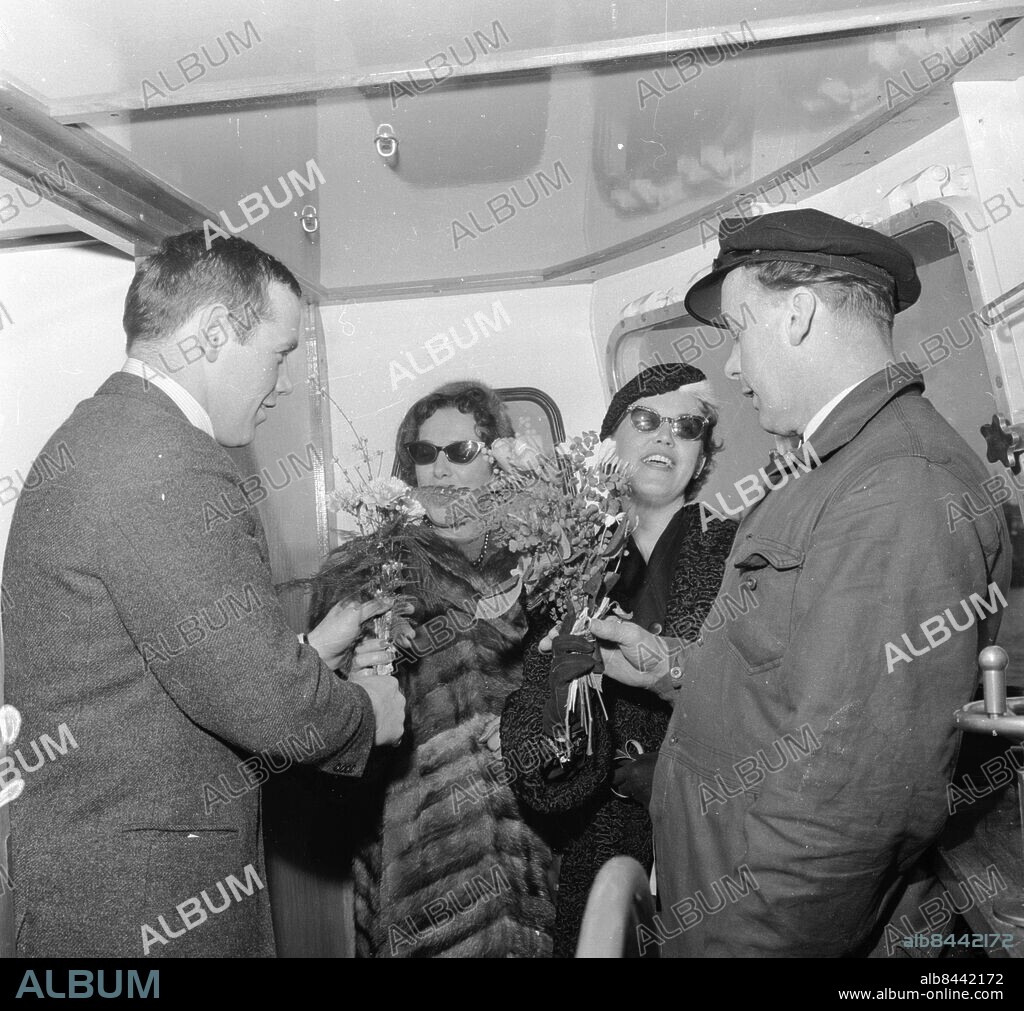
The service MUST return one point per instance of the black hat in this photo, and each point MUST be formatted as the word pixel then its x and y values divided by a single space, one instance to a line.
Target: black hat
pixel 649 383
pixel 805 236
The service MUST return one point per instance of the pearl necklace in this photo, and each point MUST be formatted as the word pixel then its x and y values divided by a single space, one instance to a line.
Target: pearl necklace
pixel 483 550
pixel 483 547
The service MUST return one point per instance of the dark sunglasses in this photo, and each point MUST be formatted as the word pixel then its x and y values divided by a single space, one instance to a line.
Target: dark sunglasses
pixel 460 452
pixel 686 426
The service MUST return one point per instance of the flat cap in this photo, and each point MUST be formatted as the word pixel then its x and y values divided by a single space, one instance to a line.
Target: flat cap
pixel 804 236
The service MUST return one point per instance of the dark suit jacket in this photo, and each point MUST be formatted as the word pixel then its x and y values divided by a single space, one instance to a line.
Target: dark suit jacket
pixel 145 621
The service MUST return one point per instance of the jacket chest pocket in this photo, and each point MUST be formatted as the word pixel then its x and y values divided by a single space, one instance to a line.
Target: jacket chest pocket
pixel 768 572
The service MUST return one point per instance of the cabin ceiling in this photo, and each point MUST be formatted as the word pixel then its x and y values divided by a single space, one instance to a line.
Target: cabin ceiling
pixel 537 142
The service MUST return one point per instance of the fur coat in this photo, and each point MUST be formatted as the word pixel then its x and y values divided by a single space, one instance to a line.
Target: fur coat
pixel 449 864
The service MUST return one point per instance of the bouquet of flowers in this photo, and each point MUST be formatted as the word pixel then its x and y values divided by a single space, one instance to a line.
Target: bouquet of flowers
pixel 381 509
pixel 565 517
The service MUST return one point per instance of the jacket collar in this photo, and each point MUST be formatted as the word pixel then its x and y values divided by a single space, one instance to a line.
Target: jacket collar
pixel 862 404
pixel 853 412
pixel 123 384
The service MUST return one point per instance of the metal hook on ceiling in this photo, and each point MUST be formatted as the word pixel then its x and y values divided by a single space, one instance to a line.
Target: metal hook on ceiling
pixel 387 144
pixel 309 218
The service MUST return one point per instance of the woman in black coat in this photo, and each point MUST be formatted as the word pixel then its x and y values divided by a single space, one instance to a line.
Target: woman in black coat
pixel 663 424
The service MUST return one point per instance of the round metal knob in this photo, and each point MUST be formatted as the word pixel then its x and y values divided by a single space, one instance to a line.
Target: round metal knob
pixel 994 714
pixel 993 661
pixel 993 656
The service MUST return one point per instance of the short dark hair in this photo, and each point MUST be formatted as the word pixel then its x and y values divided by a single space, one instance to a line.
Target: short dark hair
pixel 183 275
pixel 840 291
pixel 468 396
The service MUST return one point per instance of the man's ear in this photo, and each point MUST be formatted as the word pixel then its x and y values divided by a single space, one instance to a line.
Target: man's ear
pixel 802 306
pixel 215 329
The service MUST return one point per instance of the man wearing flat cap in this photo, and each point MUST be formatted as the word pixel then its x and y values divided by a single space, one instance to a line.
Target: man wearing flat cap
pixel 805 767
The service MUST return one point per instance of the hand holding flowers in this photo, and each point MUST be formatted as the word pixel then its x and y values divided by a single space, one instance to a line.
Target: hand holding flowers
pixel 568 525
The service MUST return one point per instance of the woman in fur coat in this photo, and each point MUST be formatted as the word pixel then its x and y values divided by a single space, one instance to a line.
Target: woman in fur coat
pixel 663 424
pixel 450 865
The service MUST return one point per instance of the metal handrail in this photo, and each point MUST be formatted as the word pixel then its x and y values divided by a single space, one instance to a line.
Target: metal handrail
pixel 985 314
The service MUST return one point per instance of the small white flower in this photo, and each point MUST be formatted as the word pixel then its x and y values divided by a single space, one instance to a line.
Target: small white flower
pixel 515 454
pixel 338 502
pixel 413 508
pixel 606 455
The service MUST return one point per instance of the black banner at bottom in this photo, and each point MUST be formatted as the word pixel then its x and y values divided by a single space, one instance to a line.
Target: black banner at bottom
pixel 177 981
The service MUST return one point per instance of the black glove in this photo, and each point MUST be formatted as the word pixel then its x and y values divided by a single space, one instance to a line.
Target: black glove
pixel 572 656
pixel 634 778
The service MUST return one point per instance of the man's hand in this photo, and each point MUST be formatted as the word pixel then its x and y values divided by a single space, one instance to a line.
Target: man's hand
pixel 388 705
pixel 371 652
pixel 341 627
pixel 642 658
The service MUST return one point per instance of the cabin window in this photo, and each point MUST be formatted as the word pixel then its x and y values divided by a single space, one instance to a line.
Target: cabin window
pixel 535 416
pixel 677 338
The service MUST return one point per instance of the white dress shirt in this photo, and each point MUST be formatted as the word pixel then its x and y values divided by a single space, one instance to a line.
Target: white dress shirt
pixel 816 422
pixel 190 407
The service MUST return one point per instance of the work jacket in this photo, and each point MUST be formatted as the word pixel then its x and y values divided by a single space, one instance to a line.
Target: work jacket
pixel 806 761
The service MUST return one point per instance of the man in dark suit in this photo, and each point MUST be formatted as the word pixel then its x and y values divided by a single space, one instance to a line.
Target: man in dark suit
pixel 151 639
